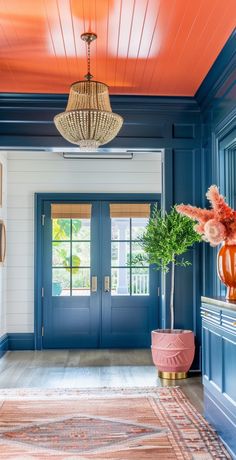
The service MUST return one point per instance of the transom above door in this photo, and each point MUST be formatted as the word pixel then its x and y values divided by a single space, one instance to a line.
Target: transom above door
pixel 96 293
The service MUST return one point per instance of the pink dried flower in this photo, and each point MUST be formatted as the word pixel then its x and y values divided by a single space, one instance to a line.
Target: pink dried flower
pixel 202 215
pixel 199 228
pixel 214 231
pixel 221 209
pixel 214 225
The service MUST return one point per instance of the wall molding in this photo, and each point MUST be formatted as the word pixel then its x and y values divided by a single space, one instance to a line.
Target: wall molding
pixel 220 79
pixel 17 341
pixel 26 121
pixel 3 344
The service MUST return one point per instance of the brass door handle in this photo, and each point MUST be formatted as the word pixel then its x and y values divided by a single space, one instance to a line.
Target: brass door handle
pixel 107 283
pixel 94 283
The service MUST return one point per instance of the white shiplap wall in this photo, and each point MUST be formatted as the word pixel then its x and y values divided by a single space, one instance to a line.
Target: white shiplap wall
pixel 31 172
pixel 3 267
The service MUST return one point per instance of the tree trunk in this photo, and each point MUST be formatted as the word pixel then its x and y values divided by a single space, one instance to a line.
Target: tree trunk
pixel 172 316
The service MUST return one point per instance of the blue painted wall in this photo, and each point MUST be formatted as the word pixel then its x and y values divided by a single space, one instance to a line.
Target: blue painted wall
pixel 217 100
pixel 183 126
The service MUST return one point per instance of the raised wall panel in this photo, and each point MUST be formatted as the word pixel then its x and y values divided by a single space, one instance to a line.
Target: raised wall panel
pixel 183 131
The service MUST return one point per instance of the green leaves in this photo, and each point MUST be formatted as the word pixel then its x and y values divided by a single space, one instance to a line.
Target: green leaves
pixel 62 228
pixel 166 237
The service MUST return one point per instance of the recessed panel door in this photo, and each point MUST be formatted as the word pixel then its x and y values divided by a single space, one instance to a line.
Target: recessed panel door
pixel 71 307
pixel 130 289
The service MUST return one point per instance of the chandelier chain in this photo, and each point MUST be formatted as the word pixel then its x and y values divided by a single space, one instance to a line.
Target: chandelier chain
pixel 89 74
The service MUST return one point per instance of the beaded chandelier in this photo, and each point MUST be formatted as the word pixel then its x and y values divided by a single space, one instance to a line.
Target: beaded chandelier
pixel 88 120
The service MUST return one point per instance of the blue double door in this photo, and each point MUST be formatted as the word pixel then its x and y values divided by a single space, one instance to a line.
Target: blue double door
pixel 95 295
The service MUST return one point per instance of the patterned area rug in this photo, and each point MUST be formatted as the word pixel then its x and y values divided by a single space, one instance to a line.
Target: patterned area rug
pixel 119 424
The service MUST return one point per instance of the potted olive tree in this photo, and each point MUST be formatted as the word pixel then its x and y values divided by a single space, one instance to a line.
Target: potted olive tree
pixel 166 237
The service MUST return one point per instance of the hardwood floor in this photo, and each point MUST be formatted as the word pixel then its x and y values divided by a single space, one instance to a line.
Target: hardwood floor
pixel 89 369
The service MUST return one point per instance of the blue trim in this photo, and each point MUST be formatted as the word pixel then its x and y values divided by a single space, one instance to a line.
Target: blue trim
pixel 21 341
pixel 3 345
pixel 218 74
pixel 16 341
pixel 58 101
pixel 96 197
pixel 40 200
pixel 26 121
pixel 38 244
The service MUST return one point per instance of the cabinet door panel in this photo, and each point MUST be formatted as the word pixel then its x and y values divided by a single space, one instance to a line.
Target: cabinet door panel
pixel 216 359
pixel 229 368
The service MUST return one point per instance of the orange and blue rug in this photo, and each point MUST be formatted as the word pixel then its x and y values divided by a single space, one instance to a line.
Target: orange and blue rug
pixel 119 424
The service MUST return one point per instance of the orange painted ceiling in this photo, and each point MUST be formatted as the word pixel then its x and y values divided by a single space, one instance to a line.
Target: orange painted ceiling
pixel 146 47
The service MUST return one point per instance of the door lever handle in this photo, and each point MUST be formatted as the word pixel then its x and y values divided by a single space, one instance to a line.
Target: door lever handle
pixel 107 283
pixel 94 286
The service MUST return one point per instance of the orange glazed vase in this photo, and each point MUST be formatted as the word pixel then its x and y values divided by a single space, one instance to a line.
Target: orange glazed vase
pixel 226 265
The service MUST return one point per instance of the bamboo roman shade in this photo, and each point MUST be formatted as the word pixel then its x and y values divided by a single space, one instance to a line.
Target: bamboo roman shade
pixel 71 211
pixel 130 210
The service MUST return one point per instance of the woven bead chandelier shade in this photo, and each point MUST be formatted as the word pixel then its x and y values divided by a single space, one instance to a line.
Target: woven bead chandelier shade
pixel 88 120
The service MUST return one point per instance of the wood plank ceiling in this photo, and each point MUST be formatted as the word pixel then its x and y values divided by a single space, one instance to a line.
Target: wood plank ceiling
pixel 146 47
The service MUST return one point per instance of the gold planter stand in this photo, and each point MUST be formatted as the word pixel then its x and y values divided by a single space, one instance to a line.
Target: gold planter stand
pixel 172 375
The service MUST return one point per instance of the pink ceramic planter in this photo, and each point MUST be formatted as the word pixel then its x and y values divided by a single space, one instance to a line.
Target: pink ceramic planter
pixel 172 351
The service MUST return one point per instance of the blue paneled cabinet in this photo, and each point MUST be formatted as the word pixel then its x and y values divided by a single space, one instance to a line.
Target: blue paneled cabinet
pixel 219 367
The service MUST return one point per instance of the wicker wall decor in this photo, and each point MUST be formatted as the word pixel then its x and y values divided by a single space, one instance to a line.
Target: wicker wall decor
pixel 2 241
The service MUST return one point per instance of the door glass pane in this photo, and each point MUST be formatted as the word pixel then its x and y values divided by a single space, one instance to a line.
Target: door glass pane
pixel 61 229
pixel 60 254
pixel 80 229
pixel 137 250
pixel 120 229
pixel 140 281
pixel 71 249
pixel 120 254
pixel 81 282
pixel 120 281
pixel 138 226
pixel 81 254
pixel 60 282
pixel 130 278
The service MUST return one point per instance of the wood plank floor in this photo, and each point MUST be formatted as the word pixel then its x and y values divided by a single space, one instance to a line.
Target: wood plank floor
pixel 89 369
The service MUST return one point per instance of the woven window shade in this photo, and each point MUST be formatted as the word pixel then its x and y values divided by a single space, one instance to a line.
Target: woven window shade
pixel 130 210
pixel 71 211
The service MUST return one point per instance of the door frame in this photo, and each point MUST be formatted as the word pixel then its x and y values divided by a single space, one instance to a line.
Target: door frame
pixel 40 198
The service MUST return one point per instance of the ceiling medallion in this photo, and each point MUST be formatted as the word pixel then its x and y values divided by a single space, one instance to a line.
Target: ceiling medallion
pixel 88 120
